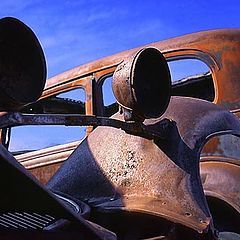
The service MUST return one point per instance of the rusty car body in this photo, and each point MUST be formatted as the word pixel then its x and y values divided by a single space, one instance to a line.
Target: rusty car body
pixel 159 159
pixel 218 49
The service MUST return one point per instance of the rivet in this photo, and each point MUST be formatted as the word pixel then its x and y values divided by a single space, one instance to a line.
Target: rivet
pixel 188 214
pixel 202 221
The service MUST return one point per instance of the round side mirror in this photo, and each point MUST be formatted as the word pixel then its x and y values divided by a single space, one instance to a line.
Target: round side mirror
pixel 22 65
pixel 142 85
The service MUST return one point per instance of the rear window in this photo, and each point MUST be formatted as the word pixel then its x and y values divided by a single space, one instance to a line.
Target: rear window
pixel 192 78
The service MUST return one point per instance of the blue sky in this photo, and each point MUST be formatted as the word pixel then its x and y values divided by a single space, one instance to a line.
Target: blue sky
pixel 75 32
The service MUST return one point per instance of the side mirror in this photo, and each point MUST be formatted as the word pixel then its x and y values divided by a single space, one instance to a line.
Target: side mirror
pixel 142 85
pixel 22 65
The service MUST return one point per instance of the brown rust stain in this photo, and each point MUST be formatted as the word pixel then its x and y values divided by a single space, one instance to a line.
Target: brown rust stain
pixel 212 147
pixel 43 174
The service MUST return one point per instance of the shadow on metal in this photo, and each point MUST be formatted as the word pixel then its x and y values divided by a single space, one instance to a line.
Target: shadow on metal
pixel 22 65
pixel 28 208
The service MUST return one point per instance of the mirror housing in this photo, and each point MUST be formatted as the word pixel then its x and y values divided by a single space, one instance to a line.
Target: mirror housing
pixel 142 85
pixel 22 65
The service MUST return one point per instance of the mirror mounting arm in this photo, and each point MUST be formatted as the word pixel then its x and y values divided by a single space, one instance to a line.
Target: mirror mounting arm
pixel 153 131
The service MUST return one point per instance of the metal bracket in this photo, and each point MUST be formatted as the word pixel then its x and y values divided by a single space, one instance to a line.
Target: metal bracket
pixel 154 131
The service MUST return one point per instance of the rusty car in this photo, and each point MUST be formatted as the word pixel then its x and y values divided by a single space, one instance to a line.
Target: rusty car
pixel 160 162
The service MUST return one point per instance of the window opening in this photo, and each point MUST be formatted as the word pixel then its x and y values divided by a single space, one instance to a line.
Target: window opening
pixel 29 138
pixel 109 100
pixel 191 78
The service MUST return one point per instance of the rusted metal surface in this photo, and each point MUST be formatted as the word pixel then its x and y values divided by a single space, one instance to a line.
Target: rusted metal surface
pixel 223 146
pixel 136 85
pixel 155 131
pixel 35 157
pixel 221 179
pixel 217 48
pixel 45 172
pixel 17 85
pixel 44 163
pixel 154 177
pixel 152 168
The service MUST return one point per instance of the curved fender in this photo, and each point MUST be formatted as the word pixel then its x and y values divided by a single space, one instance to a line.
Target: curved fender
pixel 220 178
pixel 113 170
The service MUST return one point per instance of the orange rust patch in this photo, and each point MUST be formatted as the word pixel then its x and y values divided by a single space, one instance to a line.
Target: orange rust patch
pixel 43 174
pixel 212 147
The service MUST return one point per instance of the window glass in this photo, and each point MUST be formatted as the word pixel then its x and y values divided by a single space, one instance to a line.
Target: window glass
pixel 109 100
pixel 72 101
pixel 29 138
pixel 181 69
pixel 191 78
pixel 75 94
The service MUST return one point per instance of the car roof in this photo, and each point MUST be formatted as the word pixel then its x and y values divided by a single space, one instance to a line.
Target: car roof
pixel 219 49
